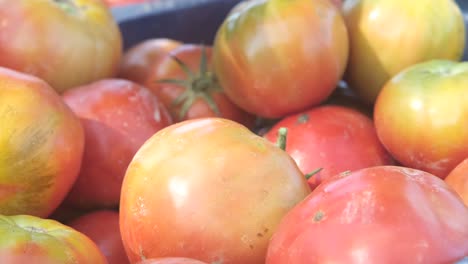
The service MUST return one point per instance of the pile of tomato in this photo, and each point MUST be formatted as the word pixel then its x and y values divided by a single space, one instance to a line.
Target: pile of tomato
pixel 309 131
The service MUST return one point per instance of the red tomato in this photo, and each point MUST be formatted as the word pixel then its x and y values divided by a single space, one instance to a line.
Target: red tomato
pixel 197 92
pixel 41 146
pixel 208 189
pixel 102 227
pixel 29 239
pixel 458 180
pixel 66 43
pixel 421 116
pixel 277 57
pixel 333 138
pixel 171 261
pixel 141 60
pixel 387 36
pixel 383 214
pixel 118 117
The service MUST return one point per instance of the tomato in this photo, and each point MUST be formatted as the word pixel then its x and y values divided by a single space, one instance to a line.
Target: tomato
pixel 421 116
pixel 383 214
pixel 142 59
pixel 118 117
pixel 191 89
pixel 458 180
pixel 334 138
pixel 171 261
pixel 66 43
pixel 102 227
pixel 41 146
pixel 415 31
pixel 276 57
pixel 118 3
pixel 29 239
pixel 208 189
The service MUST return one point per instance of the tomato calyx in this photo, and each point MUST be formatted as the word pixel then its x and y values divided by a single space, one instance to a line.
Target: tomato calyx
pixel 312 173
pixel 282 138
pixel 198 85
pixel 68 6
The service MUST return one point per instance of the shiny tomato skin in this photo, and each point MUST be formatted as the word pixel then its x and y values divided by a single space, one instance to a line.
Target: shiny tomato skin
pixel 383 214
pixel 118 117
pixel 208 189
pixel 458 180
pixel 421 116
pixel 416 31
pixel 102 227
pixel 139 61
pixel 29 239
pixel 277 57
pixel 190 55
pixel 66 43
pixel 334 138
pixel 41 146
pixel 171 261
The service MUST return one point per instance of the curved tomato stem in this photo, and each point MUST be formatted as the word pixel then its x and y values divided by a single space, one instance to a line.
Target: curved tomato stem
pixel 282 138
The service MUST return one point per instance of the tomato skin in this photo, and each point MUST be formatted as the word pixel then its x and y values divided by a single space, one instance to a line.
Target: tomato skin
pixel 65 43
pixel 421 116
pixel 102 227
pixel 458 180
pixel 41 146
pixel 171 261
pixel 118 117
pixel 359 219
pixel 334 138
pixel 265 54
pixel 186 206
pixel 142 59
pixel 190 54
pixel 419 31
pixel 29 239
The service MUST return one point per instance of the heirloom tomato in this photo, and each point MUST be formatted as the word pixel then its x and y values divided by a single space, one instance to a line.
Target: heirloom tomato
pixel 333 138
pixel 458 180
pixel 142 59
pixel 118 117
pixel 29 239
pixel 421 116
pixel 383 214
pixel 276 57
pixel 66 43
pixel 387 36
pixel 171 261
pixel 102 227
pixel 188 87
pixel 41 146
pixel 208 189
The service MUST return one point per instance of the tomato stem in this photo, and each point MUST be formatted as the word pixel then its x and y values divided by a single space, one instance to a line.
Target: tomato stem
pixel 282 135
pixel 312 173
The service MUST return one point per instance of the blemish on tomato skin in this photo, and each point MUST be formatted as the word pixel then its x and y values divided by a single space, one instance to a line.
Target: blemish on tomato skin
pixel 303 118
pixel 319 216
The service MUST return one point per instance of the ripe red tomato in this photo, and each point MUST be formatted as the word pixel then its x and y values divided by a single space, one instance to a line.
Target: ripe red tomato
pixel 277 57
pixel 196 92
pixel 171 261
pixel 421 116
pixel 383 214
pixel 387 36
pixel 66 43
pixel 458 180
pixel 333 138
pixel 102 227
pixel 208 189
pixel 41 146
pixel 29 239
pixel 118 117
pixel 141 60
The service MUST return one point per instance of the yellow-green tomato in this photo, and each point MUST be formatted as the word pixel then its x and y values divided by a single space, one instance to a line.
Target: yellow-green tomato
pixel 387 36
pixel 421 116
pixel 29 239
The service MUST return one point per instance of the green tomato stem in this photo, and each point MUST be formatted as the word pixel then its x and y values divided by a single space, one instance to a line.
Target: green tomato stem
pixel 312 173
pixel 282 135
